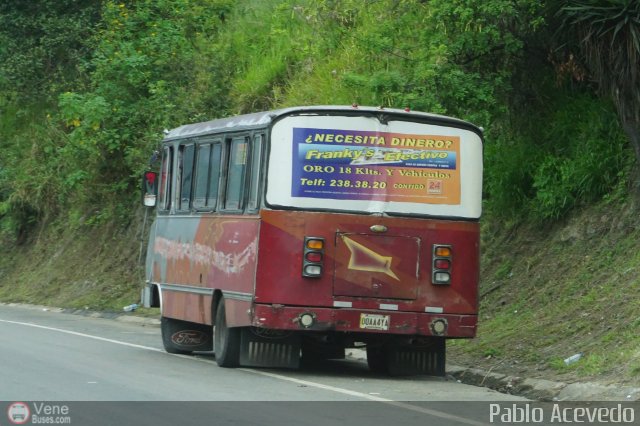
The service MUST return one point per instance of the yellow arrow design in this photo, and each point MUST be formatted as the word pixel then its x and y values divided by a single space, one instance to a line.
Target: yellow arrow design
pixel 365 259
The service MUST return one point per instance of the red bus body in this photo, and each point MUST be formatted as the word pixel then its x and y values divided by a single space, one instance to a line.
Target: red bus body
pixel 373 275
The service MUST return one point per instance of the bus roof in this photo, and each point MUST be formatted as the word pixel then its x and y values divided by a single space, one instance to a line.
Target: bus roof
pixel 265 118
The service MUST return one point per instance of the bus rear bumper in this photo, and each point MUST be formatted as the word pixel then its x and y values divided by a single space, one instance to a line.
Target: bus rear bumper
pixel 279 317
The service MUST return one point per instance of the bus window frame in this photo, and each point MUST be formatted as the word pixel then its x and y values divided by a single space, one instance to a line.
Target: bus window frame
pixel 196 167
pixel 228 141
pixel 258 169
pixel 212 142
pixel 166 187
pixel 178 182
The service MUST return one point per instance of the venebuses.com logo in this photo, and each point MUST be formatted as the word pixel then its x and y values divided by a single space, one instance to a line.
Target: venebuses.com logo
pixel 18 413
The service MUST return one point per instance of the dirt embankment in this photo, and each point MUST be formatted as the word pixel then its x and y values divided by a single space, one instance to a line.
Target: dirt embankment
pixel 551 292
pixel 87 266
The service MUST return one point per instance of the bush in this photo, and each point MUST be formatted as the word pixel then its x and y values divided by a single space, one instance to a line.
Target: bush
pixel 570 151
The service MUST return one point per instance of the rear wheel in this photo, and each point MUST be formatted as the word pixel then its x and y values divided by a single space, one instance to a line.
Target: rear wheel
pixel 226 340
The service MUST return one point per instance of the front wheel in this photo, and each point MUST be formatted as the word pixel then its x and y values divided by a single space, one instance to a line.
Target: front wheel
pixel 226 340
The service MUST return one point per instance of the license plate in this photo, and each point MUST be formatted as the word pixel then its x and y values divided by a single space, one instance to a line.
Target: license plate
pixel 374 322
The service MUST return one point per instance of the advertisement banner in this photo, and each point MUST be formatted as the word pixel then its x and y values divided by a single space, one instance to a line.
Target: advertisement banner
pixel 380 166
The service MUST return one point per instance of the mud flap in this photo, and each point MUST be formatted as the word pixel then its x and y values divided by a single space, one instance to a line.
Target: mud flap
pixel 426 359
pixel 184 337
pixel 261 350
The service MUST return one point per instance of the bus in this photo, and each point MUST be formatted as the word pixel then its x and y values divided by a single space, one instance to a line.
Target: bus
pixel 293 234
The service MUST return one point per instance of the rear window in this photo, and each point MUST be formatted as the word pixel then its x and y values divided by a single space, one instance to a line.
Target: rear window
pixel 361 164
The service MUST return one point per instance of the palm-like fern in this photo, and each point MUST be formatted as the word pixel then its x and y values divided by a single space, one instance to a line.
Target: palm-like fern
pixel 608 34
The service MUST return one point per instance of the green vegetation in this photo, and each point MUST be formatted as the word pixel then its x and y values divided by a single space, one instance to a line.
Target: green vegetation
pixel 572 287
pixel 87 87
pixel 607 34
pixel 85 104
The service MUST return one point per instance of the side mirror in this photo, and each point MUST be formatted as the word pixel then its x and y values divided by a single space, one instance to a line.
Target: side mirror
pixel 149 188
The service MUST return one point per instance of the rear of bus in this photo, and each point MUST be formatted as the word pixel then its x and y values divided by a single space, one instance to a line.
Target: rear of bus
pixel 370 235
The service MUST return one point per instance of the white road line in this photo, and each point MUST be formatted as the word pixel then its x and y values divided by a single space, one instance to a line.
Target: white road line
pixel 317 385
pixel 422 410
pixel 435 413
pixel 88 336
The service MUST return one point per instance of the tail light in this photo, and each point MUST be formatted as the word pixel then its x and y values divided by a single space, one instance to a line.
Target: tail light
pixel 442 255
pixel 313 256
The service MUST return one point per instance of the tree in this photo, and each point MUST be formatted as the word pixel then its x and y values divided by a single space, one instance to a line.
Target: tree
pixel 607 33
pixel 43 46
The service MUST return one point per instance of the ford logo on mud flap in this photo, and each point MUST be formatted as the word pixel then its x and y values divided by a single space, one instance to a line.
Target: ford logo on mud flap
pixel 189 338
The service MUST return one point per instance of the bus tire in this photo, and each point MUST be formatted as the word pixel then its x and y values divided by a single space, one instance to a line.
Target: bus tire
pixel 378 359
pixel 226 340
pixel 168 326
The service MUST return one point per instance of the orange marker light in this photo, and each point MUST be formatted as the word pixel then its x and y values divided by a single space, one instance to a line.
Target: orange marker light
pixel 315 244
pixel 443 251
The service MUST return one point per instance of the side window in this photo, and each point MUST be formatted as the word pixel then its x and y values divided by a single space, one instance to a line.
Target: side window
pixel 164 190
pixel 236 170
pixel 214 176
pixel 186 176
pixel 256 173
pixel 202 176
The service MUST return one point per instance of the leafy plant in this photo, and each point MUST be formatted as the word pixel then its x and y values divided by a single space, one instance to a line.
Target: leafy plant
pixel 608 38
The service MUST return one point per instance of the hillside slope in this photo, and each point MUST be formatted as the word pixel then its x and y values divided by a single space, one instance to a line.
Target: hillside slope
pixel 549 292
pixel 82 267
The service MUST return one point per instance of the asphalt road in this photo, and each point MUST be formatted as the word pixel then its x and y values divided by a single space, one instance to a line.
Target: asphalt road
pixel 112 372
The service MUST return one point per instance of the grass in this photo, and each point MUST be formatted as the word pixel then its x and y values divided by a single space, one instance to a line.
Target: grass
pixel 559 291
pixel 93 267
